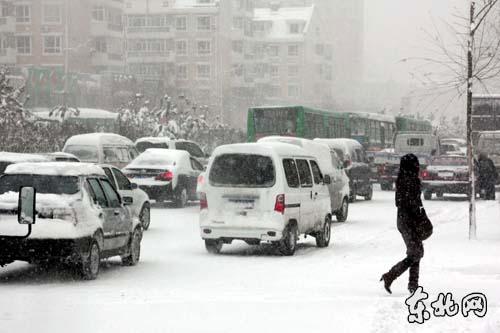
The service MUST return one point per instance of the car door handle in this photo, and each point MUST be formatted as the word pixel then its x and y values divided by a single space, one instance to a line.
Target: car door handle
pixel 116 212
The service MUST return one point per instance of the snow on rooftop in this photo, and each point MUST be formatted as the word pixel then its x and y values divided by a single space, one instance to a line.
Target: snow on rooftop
pixel 55 169
pixel 94 139
pixel 18 158
pixel 281 18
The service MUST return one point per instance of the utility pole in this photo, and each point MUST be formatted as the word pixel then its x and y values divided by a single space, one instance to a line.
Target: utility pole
pixel 66 55
pixel 470 148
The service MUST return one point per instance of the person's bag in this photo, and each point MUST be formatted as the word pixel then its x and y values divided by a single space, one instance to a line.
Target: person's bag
pixel 424 225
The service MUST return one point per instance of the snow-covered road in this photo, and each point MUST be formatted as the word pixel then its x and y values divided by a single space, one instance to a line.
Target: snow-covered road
pixel 179 287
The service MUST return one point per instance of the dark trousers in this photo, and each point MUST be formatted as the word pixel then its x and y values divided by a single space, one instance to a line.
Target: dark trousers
pixel 414 251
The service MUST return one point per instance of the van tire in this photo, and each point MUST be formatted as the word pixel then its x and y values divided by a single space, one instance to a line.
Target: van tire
pixel 89 265
pixel 323 236
pixel 213 246
pixel 288 243
pixel 181 198
pixel 342 213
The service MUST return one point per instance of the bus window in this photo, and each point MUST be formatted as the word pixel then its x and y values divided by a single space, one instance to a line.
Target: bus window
pixel 276 121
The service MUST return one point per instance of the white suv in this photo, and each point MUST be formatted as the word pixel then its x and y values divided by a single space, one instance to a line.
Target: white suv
pixel 264 192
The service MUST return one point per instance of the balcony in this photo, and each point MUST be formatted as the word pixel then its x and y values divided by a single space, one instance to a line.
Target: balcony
pixel 8 56
pixel 145 32
pixel 8 24
pixel 106 29
pixel 150 57
pixel 101 59
pixel 118 4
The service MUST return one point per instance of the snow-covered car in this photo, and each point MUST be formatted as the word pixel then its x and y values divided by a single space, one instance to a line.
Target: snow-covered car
pixel 166 175
pixel 81 218
pixel 141 207
pixel 258 192
pixel 102 148
pixel 356 165
pixel 446 174
pixel 330 165
pixel 62 157
pixel 8 158
pixel 191 147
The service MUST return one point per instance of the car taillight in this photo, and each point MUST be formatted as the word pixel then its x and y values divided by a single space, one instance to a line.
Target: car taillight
pixel 203 201
pixel 279 205
pixel 165 176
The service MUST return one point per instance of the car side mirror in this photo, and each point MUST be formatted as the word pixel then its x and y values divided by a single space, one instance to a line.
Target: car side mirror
pixel 26 213
pixel 327 180
pixel 133 186
pixel 127 201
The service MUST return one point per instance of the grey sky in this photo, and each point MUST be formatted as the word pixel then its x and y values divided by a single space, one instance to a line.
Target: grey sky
pixel 394 31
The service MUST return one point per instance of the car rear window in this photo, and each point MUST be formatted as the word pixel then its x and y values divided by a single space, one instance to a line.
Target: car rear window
pixel 241 170
pixel 448 161
pixel 153 159
pixel 143 146
pixel 42 183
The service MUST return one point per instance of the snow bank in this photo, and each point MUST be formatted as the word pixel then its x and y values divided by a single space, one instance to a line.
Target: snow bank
pixel 55 169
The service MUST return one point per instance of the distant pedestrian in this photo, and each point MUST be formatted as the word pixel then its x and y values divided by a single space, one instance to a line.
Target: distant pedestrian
pixel 409 204
pixel 487 177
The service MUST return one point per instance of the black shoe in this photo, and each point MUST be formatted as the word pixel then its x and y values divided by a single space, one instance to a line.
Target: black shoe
pixel 387 282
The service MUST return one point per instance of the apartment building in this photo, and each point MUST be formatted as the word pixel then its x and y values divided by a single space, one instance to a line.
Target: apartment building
pixel 39 32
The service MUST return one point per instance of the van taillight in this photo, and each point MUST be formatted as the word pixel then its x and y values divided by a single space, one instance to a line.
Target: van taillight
pixel 203 201
pixel 279 205
pixel 165 176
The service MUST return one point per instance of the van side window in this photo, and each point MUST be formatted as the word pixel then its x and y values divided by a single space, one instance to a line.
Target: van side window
pixel 318 177
pixel 196 165
pixel 111 154
pixel 304 173
pixel 291 173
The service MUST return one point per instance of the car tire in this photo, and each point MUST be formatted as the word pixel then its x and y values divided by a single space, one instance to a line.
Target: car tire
pixel 145 216
pixel 427 195
pixel 213 246
pixel 341 215
pixel 89 265
pixel 134 249
pixel 369 195
pixel 323 237
pixel 439 194
pixel 288 243
pixel 386 186
pixel 181 198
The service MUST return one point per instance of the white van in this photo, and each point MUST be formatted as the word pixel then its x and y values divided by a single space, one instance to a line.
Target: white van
pixel 264 192
pixel 102 148
pixel 330 165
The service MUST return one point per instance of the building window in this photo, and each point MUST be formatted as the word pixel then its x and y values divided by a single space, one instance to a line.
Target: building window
pixel 293 50
pixel 293 91
pixel 99 13
pixel 204 47
pixel 274 50
pixel 274 70
pixel 238 23
pixel 320 49
pixel 182 72
pixel 237 46
pixel 23 14
pixel 294 28
pixel 101 46
pixel 181 47
pixel 52 44
pixel 52 14
pixel 203 23
pixel 181 23
pixel 293 70
pixel 23 44
pixel 203 71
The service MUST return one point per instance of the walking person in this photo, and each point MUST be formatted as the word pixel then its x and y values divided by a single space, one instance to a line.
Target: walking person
pixel 409 204
pixel 487 177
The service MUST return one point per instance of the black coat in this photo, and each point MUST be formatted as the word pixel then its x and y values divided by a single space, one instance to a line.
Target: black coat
pixel 488 174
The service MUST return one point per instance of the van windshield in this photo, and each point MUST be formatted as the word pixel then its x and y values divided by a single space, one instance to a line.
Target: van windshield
pixel 490 145
pixel 84 153
pixel 42 183
pixel 238 170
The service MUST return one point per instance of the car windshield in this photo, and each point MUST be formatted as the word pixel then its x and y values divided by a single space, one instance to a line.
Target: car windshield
pixel 153 159
pixel 42 183
pixel 144 145
pixel 489 145
pixel 84 153
pixel 450 161
pixel 238 170
pixel 3 166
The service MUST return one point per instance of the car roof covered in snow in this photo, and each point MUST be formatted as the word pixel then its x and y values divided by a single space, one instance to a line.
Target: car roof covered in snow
pixel 343 144
pixel 162 139
pixel 95 139
pixel 55 169
pixel 263 148
pixel 19 158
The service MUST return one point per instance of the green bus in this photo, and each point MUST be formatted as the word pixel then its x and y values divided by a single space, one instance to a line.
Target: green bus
pixel 374 131
pixel 297 121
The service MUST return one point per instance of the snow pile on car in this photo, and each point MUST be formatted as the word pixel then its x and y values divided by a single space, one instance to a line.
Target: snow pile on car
pixel 55 169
